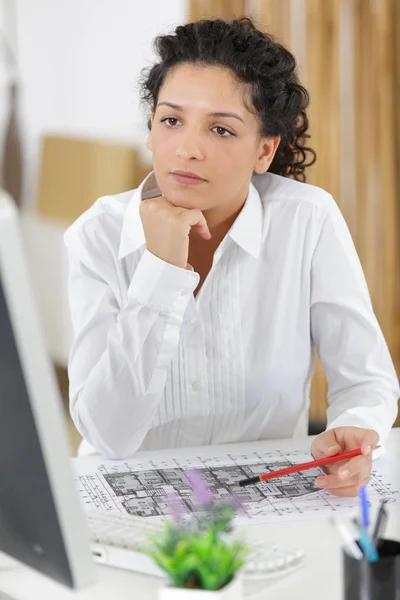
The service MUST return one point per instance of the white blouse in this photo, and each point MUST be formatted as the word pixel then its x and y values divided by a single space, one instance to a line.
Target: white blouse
pixel 153 367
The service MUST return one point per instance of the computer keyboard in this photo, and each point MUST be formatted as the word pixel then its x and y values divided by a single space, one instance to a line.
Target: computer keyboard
pixel 117 539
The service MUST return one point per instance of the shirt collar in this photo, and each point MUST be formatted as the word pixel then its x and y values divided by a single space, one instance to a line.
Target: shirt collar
pixel 246 231
pixel 132 236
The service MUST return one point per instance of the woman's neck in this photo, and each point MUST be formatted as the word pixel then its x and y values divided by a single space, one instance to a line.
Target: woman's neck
pixel 219 222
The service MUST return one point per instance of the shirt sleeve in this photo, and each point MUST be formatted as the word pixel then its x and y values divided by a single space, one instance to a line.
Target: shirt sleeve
pixel 363 388
pixel 120 355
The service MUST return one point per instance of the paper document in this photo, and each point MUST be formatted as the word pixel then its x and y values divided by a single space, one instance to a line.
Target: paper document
pixel 140 487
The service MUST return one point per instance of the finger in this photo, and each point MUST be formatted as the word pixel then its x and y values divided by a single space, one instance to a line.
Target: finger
pixel 203 232
pixel 334 467
pixel 325 444
pixel 157 201
pixel 369 442
pixel 195 218
pixel 359 467
pixel 345 492
pixel 359 464
pixel 328 482
pixel 356 437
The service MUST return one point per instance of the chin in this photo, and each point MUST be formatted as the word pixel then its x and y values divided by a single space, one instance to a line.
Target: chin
pixel 185 198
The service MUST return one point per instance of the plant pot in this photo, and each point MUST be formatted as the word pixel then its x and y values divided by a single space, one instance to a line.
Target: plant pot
pixel 232 591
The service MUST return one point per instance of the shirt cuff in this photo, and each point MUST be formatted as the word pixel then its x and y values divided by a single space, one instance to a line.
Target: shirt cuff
pixel 162 286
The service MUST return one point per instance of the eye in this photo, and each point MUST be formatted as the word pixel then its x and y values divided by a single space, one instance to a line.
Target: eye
pixel 170 119
pixel 221 132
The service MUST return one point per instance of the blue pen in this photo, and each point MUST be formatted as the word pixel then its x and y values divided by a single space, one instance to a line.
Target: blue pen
pixel 362 494
pixel 367 545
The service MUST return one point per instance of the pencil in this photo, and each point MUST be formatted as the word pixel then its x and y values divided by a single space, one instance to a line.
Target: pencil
pixel 380 522
pixel 301 467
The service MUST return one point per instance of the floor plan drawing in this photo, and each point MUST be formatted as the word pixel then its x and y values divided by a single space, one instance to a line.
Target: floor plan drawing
pixel 141 488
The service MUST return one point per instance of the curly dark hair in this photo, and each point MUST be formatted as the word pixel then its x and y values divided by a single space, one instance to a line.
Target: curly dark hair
pixel 257 60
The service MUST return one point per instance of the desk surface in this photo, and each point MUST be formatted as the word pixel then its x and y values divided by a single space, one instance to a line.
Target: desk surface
pixel 320 573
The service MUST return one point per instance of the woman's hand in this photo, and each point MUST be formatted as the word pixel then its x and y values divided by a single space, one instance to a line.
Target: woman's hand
pixel 167 227
pixel 344 478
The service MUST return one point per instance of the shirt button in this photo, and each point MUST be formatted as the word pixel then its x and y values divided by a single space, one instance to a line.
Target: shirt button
pixel 185 292
pixel 196 386
pixel 192 323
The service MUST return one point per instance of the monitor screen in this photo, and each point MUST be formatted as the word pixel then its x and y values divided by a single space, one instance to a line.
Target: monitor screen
pixel 41 521
pixel 29 527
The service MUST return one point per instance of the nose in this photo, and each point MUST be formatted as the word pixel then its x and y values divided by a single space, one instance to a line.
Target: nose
pixel 189 146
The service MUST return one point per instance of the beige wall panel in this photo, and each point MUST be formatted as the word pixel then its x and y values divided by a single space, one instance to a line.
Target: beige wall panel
pixel 377 184
pixel 322 67
pixel 389 199
pixel 273 16
pixel 75 172
pixel 225 9
pixel 347 52
pixel 323 39
pixel 367 145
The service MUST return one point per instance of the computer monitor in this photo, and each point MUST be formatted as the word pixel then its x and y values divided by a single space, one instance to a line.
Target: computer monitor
pixel 41 520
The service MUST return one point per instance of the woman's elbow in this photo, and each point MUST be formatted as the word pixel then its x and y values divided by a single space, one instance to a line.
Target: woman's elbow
pixel 105 437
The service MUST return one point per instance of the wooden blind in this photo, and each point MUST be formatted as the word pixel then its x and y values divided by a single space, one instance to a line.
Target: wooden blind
pixel 348 55
pixel 224 9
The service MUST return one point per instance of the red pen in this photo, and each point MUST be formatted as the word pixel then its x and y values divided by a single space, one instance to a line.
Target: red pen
pixel 301 467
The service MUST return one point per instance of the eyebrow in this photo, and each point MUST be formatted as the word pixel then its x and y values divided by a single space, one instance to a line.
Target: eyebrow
pixel 213 114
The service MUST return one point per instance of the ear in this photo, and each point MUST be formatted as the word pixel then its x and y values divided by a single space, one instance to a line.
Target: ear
pixel 267 149
pixel 149 144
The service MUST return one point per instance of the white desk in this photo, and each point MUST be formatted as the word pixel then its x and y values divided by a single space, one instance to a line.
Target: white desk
pixel 319 577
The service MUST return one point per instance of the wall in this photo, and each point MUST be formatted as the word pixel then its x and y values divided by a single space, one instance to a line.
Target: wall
pixel 79 64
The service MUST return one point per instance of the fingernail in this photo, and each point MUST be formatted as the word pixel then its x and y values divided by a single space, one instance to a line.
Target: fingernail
pixel 332 449
pixel 320 483
pixel 344 473
pixel 368 450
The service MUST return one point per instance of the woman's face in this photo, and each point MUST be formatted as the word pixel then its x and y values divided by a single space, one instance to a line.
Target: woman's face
pixel 202 125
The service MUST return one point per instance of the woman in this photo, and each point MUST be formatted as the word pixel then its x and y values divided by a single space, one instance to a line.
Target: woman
pixel 197 299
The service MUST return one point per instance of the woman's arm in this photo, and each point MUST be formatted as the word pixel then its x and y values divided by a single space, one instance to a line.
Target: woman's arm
pixel 120 355
pixel 363 386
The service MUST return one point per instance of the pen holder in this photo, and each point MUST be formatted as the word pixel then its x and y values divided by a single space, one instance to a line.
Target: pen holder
pixel 373 581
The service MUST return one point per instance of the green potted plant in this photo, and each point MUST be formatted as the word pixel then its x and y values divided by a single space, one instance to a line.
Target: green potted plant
pixel 197 551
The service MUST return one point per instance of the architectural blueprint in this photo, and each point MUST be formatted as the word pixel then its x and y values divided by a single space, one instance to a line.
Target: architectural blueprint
pixel 140 487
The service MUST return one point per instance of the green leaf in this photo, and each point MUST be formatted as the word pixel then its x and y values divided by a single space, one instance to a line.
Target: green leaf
pixel 201 544
pixel 181 549
pixel 204 557
pixel 207 579
pixel 188 569
pixel 164 562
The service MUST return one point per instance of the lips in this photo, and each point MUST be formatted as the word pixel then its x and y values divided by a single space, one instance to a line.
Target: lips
pixel 187 178
pixel 188 174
